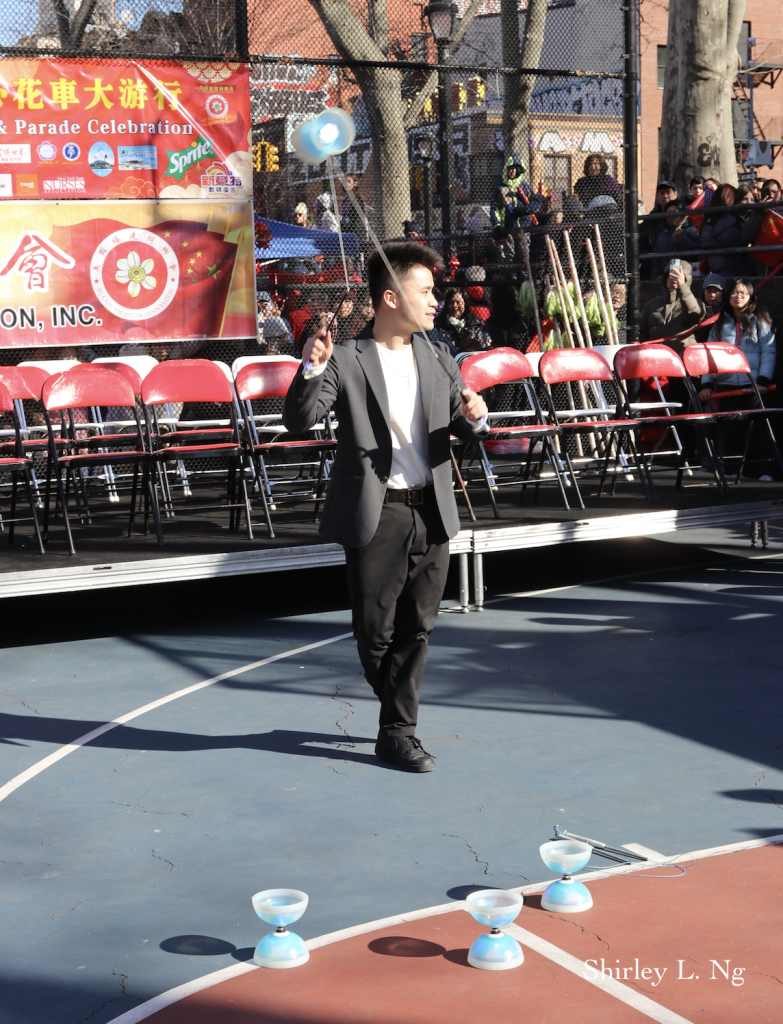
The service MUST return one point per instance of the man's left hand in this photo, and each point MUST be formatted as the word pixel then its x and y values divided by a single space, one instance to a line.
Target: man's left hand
pixel 473 406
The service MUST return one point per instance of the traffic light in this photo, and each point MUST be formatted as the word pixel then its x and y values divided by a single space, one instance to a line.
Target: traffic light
pixel 266 157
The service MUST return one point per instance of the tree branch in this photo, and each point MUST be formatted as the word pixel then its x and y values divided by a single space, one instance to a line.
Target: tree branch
pixel 80 21
pixel 431 85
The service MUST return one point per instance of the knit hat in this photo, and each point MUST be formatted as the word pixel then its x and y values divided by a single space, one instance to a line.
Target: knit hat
pixel 572 207
pixel 324 200
pixel 475 274
pixel 605 202
pixel 714 281
pixel 275 327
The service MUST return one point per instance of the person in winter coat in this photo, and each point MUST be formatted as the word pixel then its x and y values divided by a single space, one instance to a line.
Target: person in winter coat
pixel 464 330
pixel 597 181
pixel 674 310
pixel 514 201
pixel 744 322
pixel 677 237
pixel 723 231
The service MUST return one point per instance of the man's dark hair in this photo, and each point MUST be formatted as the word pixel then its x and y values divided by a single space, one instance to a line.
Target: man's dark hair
pixel 403 257
pixel 673 204
pixel 696 180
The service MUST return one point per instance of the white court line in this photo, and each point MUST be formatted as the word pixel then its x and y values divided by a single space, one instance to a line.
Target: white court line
pixel 529 939
pixel 630 996
pixel 88 737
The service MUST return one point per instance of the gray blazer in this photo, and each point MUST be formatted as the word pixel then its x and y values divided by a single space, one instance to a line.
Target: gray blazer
pixel 354 387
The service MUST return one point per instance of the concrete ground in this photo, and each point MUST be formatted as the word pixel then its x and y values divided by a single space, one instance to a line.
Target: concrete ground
pixel 637 701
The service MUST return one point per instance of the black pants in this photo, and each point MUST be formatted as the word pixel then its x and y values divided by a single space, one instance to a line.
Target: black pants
pixel 396 584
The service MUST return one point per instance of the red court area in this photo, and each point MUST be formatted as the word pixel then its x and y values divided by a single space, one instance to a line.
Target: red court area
pixel 723 919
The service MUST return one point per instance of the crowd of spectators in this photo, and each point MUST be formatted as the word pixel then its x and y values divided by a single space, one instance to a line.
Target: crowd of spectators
pixel 719 227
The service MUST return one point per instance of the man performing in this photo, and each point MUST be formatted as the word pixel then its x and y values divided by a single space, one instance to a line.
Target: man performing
pixel 391 498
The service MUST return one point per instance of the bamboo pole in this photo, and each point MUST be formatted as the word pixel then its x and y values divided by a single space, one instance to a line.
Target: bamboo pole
pixel 602 261
pixel 559 289
pixel 569 300
pixel 523 239
pixel 599 291
pixel 578 287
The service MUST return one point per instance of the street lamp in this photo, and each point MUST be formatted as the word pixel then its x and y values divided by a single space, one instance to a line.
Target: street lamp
pixel 425 146
pixel 442 15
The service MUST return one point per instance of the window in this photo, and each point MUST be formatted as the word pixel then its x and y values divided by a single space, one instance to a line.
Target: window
pixel 418 47
pixel 661 66
pixel 557 172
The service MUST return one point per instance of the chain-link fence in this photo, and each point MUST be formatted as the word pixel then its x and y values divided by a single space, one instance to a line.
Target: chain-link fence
pixel 492 129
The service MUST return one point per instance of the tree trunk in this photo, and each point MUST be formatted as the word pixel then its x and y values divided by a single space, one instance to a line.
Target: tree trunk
pixel 379 25
pixel 382 93
pixel 519 88
pixel 696 134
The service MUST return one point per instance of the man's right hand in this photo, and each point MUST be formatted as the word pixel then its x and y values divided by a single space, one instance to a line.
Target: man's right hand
pixel 318 348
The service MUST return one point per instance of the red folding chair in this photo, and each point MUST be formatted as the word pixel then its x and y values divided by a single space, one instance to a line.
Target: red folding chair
pixel 195 380
pixel 272 380
pixel 16 464
pixel 86 386
pixel 24 384
pixel 719 357
pixel 508 366
pixel 634 361
pixel 575 365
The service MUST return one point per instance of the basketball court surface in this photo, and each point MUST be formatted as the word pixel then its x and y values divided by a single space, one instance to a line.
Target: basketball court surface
pixel 169 751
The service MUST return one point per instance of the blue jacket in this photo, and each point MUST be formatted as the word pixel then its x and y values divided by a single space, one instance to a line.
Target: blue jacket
pixel 758 345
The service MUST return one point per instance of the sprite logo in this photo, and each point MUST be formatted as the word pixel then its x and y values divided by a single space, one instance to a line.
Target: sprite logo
pixel 181 159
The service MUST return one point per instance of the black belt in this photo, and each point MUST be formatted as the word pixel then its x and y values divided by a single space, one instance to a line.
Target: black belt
pixel 411 495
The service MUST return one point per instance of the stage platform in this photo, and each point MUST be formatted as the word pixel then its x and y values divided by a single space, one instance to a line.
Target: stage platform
pixel 200 546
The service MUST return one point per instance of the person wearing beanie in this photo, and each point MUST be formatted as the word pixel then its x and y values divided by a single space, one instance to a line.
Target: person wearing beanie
pixel 712 295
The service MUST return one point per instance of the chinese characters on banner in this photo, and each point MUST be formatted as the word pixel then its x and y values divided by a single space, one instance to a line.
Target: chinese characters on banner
pixel 92 130
pixel 103 272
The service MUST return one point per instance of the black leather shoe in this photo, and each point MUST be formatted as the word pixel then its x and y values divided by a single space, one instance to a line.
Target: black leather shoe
pixel 406 752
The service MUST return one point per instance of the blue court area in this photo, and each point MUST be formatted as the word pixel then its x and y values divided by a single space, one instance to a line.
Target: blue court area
pixel 640 704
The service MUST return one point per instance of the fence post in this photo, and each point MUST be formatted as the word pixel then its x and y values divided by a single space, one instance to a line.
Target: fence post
pixel 240 29
pixel 631 153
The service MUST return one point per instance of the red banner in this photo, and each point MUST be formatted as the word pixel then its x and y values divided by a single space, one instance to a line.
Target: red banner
pixel 124 131
pixel 103 272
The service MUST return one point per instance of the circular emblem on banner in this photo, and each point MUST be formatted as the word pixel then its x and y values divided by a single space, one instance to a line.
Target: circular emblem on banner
pixel 71 151
pixel 47 151
pixel 134 273
pixel 217 105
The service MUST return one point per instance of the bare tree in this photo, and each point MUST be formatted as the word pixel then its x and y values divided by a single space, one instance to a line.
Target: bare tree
pixel 519 88
pixel 701 61
pixel 72 26
pixel 382 94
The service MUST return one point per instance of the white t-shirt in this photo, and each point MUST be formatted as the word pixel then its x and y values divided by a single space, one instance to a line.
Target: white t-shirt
pixel 410 450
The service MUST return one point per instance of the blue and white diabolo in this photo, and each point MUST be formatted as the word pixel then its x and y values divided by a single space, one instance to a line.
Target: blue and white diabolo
pixel 567 895
pixel 280 948
pixel 494 951
pixel 328 134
